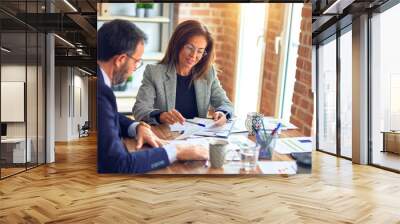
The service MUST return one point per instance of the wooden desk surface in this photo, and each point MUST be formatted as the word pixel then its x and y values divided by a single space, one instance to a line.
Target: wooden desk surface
pixel 203 167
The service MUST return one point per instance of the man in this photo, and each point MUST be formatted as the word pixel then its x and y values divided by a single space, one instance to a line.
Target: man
pixel 120 46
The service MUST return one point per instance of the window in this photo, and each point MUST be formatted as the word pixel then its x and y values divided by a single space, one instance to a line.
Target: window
pixel 385 86
pixel 250 55
pixel 22 74
pixel 327 96
pixel 346 93
pixel 289 66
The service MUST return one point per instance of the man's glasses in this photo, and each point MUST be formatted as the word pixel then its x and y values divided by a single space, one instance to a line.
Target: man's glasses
pixel 190 49
pixel 138 62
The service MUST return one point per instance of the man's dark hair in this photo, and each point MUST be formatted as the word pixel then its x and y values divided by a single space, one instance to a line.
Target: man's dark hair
pixel 118 37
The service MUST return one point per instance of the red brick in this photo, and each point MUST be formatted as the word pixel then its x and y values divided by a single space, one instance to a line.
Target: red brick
pixel 299 62
pixel 303 97
pixel 200 12
pixel 222 21
pixel 307 65
pixel 306 131
pixel 295 121
pixel 306 12
pixel 293 110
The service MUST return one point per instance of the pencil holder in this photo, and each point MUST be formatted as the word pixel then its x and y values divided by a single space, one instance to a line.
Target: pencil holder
pixel 267 143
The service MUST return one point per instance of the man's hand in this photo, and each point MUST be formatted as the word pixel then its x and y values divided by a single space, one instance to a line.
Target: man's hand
pixel 145 135
pixel 191 152
pixel 219 118
pixel 171 117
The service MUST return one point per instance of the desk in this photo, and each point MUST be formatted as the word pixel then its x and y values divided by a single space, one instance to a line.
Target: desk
pixel 13 150
pixel 200 167
pixel 391 141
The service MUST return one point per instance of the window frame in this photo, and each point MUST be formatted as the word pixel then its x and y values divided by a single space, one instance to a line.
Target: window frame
pixel 333 37
pixel 379 10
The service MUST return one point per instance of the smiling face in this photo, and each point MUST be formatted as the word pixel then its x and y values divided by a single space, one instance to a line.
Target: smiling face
pixel 192 52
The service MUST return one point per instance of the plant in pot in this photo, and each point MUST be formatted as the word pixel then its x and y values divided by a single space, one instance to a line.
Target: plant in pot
pixel 148 9
pixel 140 9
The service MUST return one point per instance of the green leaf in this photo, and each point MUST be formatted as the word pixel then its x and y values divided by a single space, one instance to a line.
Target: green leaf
pixel 148 5
pixel 140 5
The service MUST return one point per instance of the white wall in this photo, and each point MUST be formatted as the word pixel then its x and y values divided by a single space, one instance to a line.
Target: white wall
pixel 50 95
pixel 61 103
pixel 33 126
pixel 14 73
pixel 71 102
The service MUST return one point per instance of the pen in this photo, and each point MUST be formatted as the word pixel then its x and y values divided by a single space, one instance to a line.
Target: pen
pixel 276 129
pixel 262 122
pixel 199 124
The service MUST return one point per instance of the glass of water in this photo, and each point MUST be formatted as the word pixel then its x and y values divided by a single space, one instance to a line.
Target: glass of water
pixel 249 157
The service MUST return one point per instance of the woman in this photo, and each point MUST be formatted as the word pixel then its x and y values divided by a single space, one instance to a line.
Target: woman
pixel 184 84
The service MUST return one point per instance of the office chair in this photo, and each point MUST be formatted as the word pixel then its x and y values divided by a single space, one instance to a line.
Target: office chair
pixel 84 130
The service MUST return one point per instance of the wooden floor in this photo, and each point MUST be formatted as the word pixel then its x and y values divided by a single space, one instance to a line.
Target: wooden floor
pixel 386 159
pixel 70 191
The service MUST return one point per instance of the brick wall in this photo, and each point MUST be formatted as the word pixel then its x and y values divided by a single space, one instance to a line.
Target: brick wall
pixel 222 20
pixel 303 98
pixel 275 18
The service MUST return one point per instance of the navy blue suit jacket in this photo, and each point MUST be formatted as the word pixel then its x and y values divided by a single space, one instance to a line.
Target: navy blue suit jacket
pixel 112 156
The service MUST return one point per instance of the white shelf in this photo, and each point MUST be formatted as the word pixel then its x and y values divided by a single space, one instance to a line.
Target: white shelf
pixel 123 94
pixel 153 56
pixel 157 19
pixel 125 105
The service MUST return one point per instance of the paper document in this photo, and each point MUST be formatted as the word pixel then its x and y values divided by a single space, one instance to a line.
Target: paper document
pixel 194 141
pixel 236 143
pixel 206 123
pixel 278 167
pixel 186 130
pixel 242 141
pixel 297 144
pixel 189 132
pixel 270 123
pixel 212 130
pixel 176 127
pixel 232 150
pixel 239 126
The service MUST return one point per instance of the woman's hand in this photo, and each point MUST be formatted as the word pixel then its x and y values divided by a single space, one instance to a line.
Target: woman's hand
pixel 219 118
pixel 171 117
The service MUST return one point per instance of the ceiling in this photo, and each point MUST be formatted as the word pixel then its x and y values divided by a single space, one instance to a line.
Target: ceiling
pixel 23 21
pixel 332 15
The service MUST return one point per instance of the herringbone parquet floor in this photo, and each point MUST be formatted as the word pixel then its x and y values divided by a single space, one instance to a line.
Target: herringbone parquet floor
pixel 70 191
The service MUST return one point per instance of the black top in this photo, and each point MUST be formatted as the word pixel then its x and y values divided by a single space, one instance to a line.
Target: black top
pixel 185 101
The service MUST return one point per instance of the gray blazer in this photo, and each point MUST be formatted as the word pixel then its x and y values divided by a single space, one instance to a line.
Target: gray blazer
pixel 158 92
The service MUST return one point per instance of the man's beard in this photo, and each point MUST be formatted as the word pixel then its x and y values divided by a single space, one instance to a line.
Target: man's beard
pixel 120 75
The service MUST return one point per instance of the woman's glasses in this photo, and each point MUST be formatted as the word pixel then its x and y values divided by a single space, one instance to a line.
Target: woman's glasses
pixel 190 49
